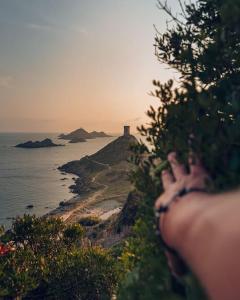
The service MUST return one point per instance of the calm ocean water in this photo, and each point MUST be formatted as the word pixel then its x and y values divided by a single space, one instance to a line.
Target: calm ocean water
pixel 30 176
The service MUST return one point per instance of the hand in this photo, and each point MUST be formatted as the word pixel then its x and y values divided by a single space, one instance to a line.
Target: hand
pixel 179 179
pixel 172 184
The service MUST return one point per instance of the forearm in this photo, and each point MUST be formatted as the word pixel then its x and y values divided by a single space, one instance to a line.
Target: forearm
pixel 205 230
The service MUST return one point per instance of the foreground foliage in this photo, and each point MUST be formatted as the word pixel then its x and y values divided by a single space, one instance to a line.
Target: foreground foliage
pixel 198 113
pixel 51 260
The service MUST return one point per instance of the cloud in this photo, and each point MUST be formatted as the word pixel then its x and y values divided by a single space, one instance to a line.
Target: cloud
pixel 38 26
pixel 6 81
pixel 134 120
pixel 55 28
pixel 48 27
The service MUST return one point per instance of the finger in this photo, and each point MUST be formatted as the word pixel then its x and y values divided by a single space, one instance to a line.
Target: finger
pixel 158 202
pixel 167 179
pixel 195 165
pixel 177 168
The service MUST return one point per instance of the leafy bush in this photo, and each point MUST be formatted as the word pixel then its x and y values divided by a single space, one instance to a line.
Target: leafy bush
pixel 89 221
pixel 199 113
pixel 88 273
pixel 44 258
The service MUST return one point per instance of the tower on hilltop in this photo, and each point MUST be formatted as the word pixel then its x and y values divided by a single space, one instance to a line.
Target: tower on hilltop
pixel 126 131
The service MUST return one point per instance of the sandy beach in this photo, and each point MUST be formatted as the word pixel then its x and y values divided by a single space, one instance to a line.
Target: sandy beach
pixel 81 206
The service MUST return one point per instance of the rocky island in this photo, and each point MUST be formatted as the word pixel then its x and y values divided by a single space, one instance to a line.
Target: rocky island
pixel 38 144
pixel 103 185
pixel 82 134
pixel 77 140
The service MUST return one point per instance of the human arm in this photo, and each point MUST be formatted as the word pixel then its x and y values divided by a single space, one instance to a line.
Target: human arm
pixel 204 229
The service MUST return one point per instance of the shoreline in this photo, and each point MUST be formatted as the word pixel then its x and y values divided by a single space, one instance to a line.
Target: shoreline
pixel 80 206
pixel 102 192
pixel 102 185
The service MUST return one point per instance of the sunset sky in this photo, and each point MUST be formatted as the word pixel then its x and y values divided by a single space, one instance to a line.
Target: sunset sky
pixel 66 64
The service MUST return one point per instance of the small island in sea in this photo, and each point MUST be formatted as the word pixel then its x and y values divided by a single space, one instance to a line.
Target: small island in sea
pixel 81 135
pixel 77 140
pixel 38 144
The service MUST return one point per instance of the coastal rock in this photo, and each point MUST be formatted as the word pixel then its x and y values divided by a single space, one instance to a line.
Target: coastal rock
pixel 38 144
pixel 82 134
pixel 83 167
pixel 77 140
pixel 30 206
pixel 96 134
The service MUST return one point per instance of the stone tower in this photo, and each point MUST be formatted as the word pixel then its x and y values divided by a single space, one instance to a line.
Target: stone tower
pixel 126 130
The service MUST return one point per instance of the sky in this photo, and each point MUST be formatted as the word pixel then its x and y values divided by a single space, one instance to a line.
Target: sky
pixel 66 64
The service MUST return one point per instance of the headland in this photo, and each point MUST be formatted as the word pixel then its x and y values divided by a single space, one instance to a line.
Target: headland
pixel 102 186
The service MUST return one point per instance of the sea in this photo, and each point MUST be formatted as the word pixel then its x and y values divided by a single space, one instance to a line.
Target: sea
pixel 31 176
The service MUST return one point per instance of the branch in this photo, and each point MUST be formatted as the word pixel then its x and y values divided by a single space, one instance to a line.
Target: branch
pixel 157 31
pixel 164 6
pixel 182 8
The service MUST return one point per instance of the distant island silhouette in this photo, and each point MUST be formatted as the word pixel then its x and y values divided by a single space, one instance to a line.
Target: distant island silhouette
pixel 38 144
pixel 77 140
pixel 81 135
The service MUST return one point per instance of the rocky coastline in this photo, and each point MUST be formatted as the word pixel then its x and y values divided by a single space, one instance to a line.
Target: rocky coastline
pixel 102 185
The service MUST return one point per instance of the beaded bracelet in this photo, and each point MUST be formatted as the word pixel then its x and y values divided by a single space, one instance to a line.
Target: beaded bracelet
pixel 165 208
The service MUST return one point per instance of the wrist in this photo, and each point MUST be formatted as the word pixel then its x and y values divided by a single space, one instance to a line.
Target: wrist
pixel 183 218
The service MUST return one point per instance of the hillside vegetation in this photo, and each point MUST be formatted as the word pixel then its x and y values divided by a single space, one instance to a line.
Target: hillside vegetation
pixel 198 113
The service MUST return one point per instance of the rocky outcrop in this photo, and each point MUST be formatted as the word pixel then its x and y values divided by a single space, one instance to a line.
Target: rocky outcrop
pixel 113 153
pixel 86 168
pixel 116 151
pixel 38 144
pixel 82 134
pixel 77 140
pixel 83 167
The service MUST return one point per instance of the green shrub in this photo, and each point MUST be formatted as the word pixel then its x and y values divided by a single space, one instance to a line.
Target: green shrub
pixel 199 113
pixel 89 221
pixel 84 274
pixel 49 261
pixel 73 233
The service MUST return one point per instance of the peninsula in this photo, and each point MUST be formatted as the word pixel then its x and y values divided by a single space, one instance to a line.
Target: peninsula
pixel 81 135
pixel 103 185
pixel 38 144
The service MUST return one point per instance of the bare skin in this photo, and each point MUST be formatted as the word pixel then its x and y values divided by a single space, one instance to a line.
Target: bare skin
pixel 204 229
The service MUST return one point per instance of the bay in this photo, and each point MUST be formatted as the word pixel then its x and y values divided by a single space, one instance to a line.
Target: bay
pixel 31 177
